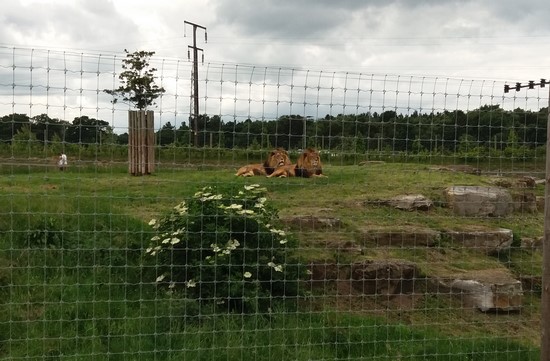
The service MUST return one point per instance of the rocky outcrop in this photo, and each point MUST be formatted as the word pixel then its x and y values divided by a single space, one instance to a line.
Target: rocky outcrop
pixel 487 290
pixel 399 237
pixel 410 202
pixel 532 243
pixel 521 182
pixel 458 168
pixel 490 242
pixel 311 222
pixel 474 201
pixel 384 277
pixel 525 202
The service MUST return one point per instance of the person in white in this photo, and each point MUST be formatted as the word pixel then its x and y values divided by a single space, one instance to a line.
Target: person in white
pixel 62 162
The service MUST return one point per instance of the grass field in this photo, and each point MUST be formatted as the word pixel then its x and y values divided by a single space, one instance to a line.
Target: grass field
pixel 75 285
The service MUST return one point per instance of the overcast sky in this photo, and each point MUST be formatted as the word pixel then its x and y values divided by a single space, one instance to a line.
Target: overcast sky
pixel 493 40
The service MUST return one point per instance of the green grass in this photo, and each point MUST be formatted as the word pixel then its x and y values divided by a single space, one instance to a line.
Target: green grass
pixel 74 284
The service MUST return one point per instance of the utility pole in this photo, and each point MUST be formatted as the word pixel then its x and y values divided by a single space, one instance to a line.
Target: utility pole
pixel 195 77
pixel 545 302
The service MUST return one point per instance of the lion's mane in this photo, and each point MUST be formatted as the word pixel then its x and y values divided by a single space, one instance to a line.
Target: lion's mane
pixel 275 159
pixel 309 164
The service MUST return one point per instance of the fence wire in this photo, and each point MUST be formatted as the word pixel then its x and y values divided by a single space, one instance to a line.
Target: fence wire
pixel 418 235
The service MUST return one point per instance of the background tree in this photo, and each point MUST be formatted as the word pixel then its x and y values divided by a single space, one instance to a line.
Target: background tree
pixel 87 130
pixel 11 124
pixel 167 134
pixel 45 128
pixel 137 81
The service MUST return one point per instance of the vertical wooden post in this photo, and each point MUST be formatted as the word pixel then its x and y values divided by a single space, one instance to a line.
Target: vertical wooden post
pixel 141 142
pixel 131 141
pixel 151 141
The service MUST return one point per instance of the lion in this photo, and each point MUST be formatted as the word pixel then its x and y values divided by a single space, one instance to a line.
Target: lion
pixel 284 171
pixel 308 165
pixel 275 159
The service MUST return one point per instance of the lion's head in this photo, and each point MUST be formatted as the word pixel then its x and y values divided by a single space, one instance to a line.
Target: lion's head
pixel 276 158
pixel 309 164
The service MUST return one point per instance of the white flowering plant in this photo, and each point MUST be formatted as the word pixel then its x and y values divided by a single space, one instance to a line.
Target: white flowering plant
pixel 226 249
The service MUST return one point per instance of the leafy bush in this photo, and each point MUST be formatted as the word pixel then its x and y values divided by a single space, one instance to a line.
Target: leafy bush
pixel 225 249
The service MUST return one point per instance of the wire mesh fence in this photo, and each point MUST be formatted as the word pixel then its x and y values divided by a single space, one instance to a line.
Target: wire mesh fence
pixel 377 216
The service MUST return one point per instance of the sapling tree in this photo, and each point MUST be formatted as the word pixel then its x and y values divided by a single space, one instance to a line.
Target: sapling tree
pixel 138 86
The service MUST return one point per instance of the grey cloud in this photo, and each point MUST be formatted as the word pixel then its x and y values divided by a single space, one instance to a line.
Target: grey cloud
pixel 285 18
pixel 78 24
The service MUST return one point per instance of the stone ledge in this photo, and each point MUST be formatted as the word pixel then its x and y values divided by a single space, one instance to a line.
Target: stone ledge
pixel 487 290
pixel 491 290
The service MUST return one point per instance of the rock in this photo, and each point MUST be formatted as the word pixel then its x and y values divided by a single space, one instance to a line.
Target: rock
pixel 521 182
pixel 459 168
pixel 526 182
pixel 400 236
pixel 330 275
pixel 324 272
pixel 487 241
pixel 311 222
pixel 532 243
pixel 476 201
pixel 525 202
pixel 531 284
pixel 488 290
pixel 332 243
pixel 410 202
pixel 384 277
pixel 502 182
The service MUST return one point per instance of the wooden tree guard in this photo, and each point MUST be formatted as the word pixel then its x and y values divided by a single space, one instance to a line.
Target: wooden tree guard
pixel 141 142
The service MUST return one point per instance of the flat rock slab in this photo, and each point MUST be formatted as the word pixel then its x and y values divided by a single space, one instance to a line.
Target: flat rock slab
pixel 487 290
pixel 410 202
pixel 310 222
pixel 458 168
pixel 387 277
pixel 521 182
pixel 399 237
pixel 384 277
pixel 490 290
pixel 475 201
pixel 489 242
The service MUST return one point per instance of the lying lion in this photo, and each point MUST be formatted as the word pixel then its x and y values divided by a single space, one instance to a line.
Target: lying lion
pixel 275 159
pixel 308 165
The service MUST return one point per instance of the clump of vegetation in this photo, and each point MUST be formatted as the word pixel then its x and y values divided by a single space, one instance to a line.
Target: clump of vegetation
pixel 137 81
pixel 226 249
pixel 46 233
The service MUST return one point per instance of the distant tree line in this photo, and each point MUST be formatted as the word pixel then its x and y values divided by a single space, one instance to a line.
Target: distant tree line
pixel 476 132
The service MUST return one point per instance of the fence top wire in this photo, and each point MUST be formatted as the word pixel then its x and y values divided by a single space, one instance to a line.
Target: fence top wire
pixel 65 85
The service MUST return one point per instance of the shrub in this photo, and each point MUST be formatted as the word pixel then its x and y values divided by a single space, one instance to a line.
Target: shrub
pixel 225 249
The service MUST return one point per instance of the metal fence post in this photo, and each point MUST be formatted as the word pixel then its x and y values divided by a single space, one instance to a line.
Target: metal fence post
pixel 545 301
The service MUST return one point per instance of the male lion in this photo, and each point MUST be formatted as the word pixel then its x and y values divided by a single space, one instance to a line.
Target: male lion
pixel 308 165
pixel 275 159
